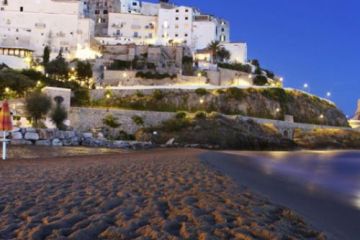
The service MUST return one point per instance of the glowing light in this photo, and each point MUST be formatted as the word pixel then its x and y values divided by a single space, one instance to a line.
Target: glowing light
pixel 125 75
pixel 7 90
pixel 281 79
pixel 38 83
pixel 84 53
pixel 322 116
pixel 108 96
pixel 306 85
pixel 155 133
pixel 199 75
pixel 201 101
pixel 328 94
pixel 250 76
pixel 278 110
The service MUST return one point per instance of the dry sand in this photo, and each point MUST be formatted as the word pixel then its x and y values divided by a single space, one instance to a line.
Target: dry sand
pixel 159 194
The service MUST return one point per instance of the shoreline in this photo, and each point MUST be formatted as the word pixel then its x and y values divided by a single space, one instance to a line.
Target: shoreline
pixel 319 208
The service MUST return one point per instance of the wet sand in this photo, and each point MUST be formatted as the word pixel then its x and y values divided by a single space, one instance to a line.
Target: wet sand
pixel 158 194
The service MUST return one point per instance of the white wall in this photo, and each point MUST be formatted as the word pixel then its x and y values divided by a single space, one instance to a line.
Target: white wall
pixel 238 51
pixel 35 24
pixel 140 29
pixel 175 25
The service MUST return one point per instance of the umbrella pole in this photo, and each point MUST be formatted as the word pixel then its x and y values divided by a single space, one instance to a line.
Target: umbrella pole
pixel 4 146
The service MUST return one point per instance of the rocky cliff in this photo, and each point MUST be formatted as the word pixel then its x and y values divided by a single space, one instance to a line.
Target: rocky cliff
pixel 272 103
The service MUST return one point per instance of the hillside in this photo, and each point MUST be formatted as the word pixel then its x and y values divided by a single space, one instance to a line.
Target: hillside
pixel 272 103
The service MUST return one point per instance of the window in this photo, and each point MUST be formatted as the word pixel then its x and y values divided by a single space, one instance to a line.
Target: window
pixel 105 11
pixel 177 10
pixel 177 18
pixel 134 4
pixel 186 34
pixel 21 9
pixel 186 10
pixel 186 18
pixel 97 11
pixel 176 35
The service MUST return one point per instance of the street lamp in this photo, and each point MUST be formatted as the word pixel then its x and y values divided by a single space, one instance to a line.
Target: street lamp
pixel 306 86
pixel 328 94
pixel 201 101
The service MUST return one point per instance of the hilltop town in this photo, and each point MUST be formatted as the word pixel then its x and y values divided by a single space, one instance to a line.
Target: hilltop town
pixel 119 69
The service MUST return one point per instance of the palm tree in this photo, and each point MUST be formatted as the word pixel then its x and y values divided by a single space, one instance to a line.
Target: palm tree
pixel 214 47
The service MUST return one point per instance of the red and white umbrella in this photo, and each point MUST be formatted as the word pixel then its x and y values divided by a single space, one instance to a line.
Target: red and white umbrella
pixel 5 125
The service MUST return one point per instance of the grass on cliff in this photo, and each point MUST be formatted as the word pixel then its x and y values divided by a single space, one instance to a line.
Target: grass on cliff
pixel 271 103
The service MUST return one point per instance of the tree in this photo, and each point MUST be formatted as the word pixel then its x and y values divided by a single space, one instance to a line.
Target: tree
pixel 84 70
pixel 46 55
pixel 58 116
pixel 37 105
pixel 58 67
pixel 256 63
pixel 214 47
pixel 223 54
pixel 260 80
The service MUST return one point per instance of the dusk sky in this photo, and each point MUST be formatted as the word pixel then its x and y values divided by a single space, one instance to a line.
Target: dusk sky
pixel 305 41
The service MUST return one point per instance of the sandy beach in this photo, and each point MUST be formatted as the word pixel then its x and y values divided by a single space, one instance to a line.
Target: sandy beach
pixel 158 194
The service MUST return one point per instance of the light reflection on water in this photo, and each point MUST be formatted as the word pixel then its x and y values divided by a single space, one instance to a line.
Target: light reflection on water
pixel 337 172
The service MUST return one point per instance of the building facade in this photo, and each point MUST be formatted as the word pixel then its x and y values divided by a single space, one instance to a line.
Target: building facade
pixel 33 25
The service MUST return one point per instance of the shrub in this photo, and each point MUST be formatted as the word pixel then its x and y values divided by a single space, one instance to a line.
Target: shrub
pixel 235 93
pixel 156 75
pixel 270 74
pixel 200 115
pixel 120 65
pixel 139 94
pixel 260 80
pixel 201 92
pixel 173 125
pixel 180 115
pixel 58 116
pixel 111 121
pixel 158 94
pixel 258 71
pixel 125 136
pixel 276 94
pixel 236 66
pixel 37 105
pixel 151 66
pixel 139 121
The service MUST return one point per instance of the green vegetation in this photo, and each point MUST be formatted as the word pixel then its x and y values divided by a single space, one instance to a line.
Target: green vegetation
pixel 58 116
pixel 138 120
pixel 180 115
pixel 154 75
pixel 187 66
pixel 58 68
pixel 84 70
pixel 111 121
pixel 235 93
pixel 200 115
pixel 120 65
pixel 260 80
pixel 236 66
pixel 201 92
pixel 158 94
pixel 37 105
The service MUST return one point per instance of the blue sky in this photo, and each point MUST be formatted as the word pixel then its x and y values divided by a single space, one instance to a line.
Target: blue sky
pixel 305 41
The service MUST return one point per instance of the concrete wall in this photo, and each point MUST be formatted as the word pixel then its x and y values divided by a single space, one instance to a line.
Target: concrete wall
pixel 227 77
pixel 85 119
pixel 65 93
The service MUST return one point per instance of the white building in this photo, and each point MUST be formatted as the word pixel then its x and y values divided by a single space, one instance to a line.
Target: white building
pixel 33 25
pixel 134 28
pixel 238 51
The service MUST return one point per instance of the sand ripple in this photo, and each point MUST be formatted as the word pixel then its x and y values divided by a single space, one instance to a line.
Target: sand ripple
pixel 160 194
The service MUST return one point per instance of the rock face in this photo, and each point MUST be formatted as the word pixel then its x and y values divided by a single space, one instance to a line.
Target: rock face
pixel 216 132
pixel 328 139
pixel 271 103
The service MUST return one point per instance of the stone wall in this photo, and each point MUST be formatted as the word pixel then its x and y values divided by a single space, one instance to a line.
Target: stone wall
pixel 227 77
pixel 128 78
pixel 86 119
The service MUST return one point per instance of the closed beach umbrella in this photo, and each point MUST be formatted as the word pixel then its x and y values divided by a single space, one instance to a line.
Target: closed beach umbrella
pixel 5 124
